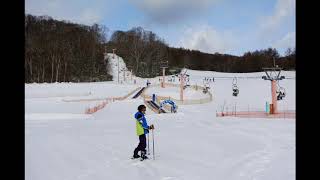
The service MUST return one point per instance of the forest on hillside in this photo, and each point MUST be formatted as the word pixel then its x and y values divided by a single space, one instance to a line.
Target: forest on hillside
pixel 58 51
pixel 61 51
pixel 145 53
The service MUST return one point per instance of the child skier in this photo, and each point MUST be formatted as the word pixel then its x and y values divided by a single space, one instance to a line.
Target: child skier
pixel 142 129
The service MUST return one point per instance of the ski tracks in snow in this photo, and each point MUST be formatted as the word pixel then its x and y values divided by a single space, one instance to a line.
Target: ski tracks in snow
pixel 254 165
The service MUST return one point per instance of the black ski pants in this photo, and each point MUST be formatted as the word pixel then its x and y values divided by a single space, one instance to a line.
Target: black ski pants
pixel 142 144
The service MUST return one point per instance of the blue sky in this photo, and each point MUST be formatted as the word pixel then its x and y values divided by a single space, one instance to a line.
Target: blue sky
pixel 223 26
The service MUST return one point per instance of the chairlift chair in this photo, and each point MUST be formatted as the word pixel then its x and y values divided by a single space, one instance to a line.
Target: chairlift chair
pixel 281 93
pixel 206 88
pixel 235 89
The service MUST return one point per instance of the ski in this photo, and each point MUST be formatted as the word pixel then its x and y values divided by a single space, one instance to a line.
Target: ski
pixel 141 159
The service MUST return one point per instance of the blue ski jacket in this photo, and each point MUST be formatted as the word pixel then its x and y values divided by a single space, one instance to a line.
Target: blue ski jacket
pixel 141 124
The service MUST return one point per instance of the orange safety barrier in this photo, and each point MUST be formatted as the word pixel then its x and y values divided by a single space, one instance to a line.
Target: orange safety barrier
pixel 104 103
pixel 259 114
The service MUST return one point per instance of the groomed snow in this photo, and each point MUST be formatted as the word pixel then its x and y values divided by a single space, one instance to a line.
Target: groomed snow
pixel 63 143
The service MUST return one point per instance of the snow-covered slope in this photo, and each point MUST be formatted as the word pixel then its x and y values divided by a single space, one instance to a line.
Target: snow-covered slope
pixel 62 143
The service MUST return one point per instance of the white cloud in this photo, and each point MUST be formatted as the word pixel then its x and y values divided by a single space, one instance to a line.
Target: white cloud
pixel 283 10
pixel 277 30
pixel 171 11
pixel 288 41
pixel 163 4
pixel 79 11
pixel 90 16
pixel 206 39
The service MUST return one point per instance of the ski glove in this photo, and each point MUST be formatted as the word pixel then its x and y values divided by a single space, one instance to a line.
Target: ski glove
pixel 151 126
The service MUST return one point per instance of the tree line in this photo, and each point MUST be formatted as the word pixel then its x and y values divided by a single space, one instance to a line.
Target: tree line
pixel 60 51
pixel 144 53
pixel 248 62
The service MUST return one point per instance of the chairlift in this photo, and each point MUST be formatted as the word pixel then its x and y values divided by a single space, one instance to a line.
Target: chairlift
pixel 281 92
pixel 206 88
pixel 235 89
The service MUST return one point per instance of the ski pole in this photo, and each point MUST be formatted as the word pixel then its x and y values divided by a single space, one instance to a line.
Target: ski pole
pixel 148 145
pixel 153 144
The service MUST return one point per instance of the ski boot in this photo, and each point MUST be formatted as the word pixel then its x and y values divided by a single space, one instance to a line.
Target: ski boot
pixel 135 156
pixel 143 155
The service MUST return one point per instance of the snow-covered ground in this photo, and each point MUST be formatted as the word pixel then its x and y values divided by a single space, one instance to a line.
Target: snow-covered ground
pixel 63 143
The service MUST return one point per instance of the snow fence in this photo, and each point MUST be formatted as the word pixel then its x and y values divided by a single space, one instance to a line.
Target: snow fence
pixel 96 107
